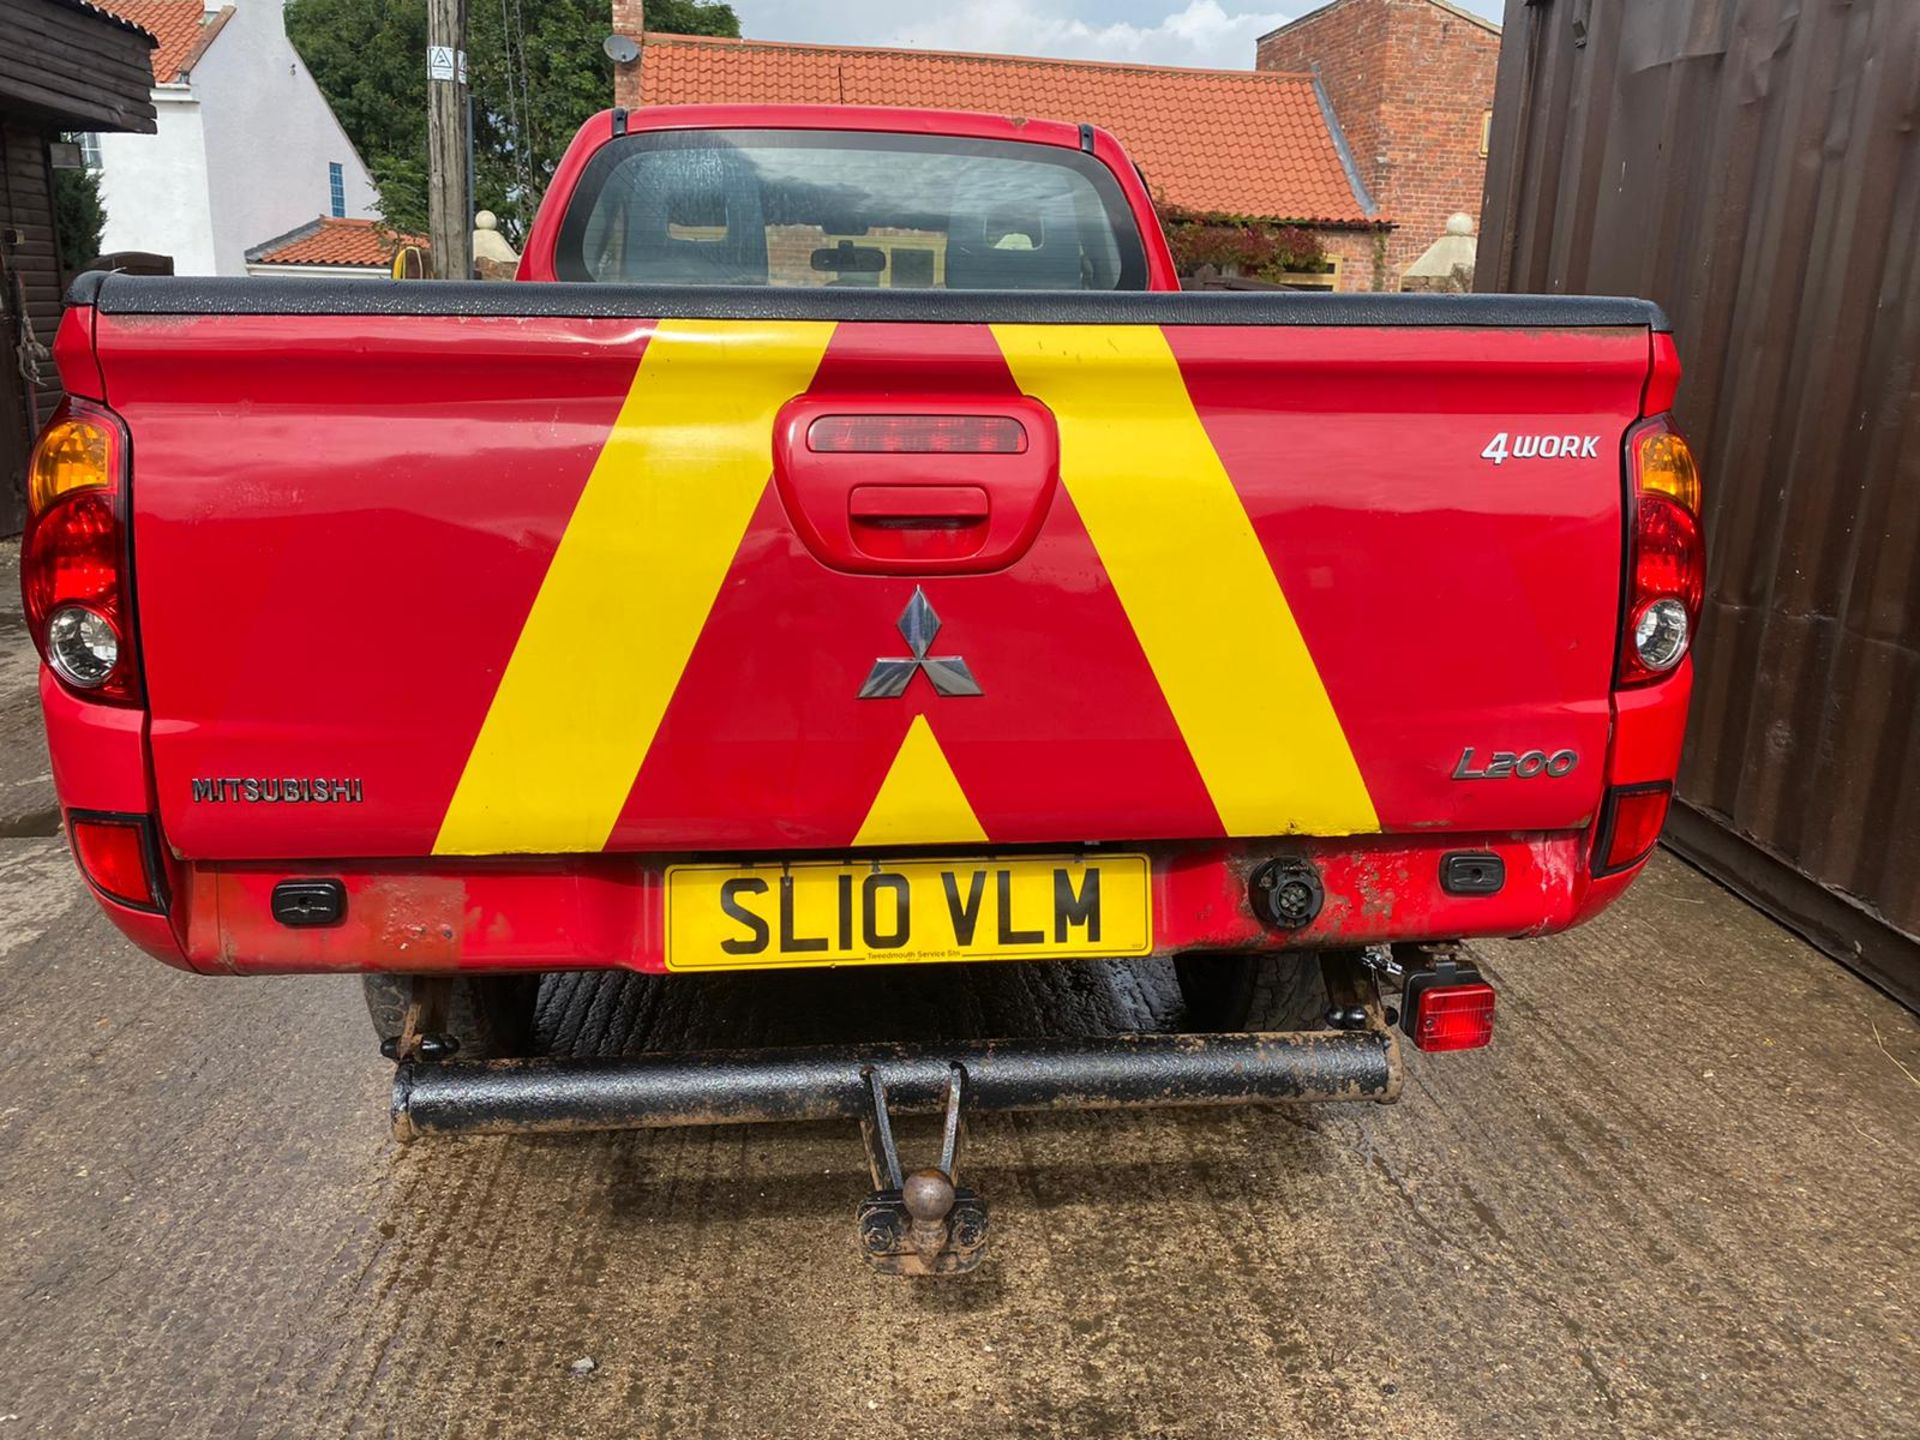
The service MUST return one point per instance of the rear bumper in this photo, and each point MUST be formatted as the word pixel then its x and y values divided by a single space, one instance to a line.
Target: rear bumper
pixel 607 911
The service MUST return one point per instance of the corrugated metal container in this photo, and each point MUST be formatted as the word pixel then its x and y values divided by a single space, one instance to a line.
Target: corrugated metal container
pixel 1754 165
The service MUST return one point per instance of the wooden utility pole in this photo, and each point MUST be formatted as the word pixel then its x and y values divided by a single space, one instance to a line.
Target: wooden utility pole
pixel 449 206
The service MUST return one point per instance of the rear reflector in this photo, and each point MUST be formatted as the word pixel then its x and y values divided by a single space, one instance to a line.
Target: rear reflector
pixel 917 435
pixel 115 854
pixel 1452 1017
pixel 1631 823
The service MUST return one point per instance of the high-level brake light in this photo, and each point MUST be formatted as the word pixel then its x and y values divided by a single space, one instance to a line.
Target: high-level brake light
pixel 73 557
pixel 917 435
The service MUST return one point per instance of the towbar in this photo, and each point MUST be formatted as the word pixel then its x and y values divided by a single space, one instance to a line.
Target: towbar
pixel 747 1087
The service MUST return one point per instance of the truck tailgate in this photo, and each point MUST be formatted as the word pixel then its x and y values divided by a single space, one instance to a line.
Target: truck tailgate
pixel 532 582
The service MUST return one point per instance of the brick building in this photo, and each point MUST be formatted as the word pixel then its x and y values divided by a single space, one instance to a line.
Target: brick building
pixel 1411 85
pixel 1241 143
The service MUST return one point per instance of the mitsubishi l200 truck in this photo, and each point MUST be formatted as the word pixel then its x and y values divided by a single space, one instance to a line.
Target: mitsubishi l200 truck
pixel 848 546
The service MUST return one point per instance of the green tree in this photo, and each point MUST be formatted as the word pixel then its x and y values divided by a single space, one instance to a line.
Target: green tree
pixel 78 216
pixel 370 61
pixel 537 72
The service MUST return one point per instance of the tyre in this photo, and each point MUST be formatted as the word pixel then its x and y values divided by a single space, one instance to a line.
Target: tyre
pixel 1253 992
pixel 490 1015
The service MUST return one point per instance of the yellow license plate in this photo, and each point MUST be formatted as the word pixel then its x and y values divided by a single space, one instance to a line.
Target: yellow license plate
pixel 829 912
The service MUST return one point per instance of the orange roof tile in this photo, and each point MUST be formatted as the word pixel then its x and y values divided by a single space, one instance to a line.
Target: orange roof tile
pixel 1236 142
pixel 327 241
pixel 183 28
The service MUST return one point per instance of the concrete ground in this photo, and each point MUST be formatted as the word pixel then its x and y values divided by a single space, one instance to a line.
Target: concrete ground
pixel 1679 1196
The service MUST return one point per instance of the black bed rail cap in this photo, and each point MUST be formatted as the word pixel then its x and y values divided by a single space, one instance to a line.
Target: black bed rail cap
pixel 121 294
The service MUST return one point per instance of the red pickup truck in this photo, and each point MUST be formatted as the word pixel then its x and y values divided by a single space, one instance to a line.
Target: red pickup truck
pixel 849 547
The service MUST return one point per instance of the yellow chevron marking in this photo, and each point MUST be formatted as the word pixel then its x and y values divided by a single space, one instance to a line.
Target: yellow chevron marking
pixel 920 802
pixel 1196 585
pixel 629 587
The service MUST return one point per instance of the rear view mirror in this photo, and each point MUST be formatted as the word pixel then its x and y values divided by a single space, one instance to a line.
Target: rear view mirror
pixel 847 258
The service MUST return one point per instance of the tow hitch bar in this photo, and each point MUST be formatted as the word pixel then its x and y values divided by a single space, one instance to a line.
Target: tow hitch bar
pixel 922 1223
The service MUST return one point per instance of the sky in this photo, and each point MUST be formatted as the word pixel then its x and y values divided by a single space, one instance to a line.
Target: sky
pixel 1162 32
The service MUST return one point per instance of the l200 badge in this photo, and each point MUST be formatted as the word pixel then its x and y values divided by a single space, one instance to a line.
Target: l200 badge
pixel 1515 765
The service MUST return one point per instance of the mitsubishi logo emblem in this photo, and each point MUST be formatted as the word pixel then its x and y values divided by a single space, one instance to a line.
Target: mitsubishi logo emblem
pixel 918 625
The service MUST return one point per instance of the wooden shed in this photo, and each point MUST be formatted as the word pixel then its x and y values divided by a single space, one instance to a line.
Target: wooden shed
pixel 65 65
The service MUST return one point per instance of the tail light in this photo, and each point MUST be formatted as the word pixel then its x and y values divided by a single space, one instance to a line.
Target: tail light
pixel 1630 823
pixel 73 559
pixel 119 857
pixel 1666 559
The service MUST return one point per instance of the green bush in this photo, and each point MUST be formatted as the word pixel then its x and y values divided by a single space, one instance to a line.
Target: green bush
pixel 78 216
pixel 1258 249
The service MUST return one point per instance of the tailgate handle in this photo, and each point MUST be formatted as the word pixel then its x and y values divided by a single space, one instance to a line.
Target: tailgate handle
pixel 922 484
pixel 918 506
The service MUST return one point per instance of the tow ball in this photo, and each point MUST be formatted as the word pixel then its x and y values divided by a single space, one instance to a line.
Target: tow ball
pixel 924 1222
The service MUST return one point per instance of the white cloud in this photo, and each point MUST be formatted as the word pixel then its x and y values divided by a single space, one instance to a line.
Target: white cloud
pixel 1214 33
pixel 1204 32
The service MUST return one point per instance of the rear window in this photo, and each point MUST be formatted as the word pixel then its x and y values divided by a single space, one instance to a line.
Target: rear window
pixel 822 207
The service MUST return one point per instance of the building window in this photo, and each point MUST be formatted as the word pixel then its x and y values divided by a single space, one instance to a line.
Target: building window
pixel 337 189
pixel 1325 279
pixel 77 150
pixel 1486 131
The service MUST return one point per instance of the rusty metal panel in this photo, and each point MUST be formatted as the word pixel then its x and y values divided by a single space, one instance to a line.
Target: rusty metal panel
pixel 1754 166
